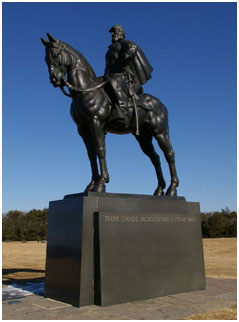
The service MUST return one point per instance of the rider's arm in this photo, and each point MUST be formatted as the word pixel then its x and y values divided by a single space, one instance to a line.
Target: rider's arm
pixel 130 50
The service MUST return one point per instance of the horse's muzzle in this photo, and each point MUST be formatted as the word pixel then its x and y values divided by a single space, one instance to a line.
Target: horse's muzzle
pixel 55 82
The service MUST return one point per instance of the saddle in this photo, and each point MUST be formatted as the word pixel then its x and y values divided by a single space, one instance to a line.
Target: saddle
pixel 120 115
pixel 123 99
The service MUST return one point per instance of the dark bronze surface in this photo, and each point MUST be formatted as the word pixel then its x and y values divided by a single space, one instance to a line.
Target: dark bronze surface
pixel 147 255
pixel 64 252
pixel 113 103
pixel 112 248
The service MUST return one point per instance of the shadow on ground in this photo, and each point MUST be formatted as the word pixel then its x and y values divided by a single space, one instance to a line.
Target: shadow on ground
pixel 22 275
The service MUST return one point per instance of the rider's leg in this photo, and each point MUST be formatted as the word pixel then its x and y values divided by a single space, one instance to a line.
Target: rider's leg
pixel 118 93
pixel 120 88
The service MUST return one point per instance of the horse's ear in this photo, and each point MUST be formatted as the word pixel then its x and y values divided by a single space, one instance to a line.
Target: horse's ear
pixel 45 43
pixel 51 38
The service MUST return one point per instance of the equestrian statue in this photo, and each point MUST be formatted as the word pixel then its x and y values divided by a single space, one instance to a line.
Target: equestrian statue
pixel 114 103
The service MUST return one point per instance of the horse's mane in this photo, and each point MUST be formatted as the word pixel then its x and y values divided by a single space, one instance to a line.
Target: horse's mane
pixel 79 55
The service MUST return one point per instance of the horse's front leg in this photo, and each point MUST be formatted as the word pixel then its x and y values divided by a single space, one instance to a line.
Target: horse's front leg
pixel 98 135
pixel 90 146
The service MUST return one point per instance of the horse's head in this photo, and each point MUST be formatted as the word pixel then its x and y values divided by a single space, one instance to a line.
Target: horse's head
pixel 54 60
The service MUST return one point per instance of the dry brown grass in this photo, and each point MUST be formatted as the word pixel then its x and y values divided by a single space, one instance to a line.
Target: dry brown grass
pixel 220 255
pixel 220 258
pixel 24 261
pixel 225 314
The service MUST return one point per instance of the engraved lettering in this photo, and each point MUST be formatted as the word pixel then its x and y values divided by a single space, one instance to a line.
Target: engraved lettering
pixel 192 219
pixel 165 219
pixel 129 219
pixel 151 219
pixel 112 218
pixel 180 219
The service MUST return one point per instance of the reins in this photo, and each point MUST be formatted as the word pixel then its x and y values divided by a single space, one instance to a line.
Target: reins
pixel 77 89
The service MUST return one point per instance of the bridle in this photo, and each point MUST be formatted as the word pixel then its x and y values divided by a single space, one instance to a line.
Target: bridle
pixel 74 88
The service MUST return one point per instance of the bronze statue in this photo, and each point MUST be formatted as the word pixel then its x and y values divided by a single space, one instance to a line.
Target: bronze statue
pixel 127 69
pixel 96 106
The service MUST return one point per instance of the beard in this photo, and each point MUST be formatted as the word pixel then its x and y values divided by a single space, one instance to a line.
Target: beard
pixel 116 38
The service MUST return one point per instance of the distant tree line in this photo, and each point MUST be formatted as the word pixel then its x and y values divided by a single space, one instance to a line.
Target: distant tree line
pixel 219 224
pixel 20 226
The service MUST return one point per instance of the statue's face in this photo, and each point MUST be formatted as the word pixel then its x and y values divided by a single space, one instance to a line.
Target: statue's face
pixel 54 64
pixel 116 35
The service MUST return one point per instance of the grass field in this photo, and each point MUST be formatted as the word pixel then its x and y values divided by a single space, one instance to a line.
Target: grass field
pixel 23 261
pixel 220 255
pixel 26 261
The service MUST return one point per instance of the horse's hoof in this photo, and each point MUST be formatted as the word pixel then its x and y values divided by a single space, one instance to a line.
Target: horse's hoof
pixel 90 186
pixel 99 187
pixel 158 192
pixel 171 192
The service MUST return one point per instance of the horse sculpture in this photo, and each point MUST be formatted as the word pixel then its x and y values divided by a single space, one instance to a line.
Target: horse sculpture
pixel 93 112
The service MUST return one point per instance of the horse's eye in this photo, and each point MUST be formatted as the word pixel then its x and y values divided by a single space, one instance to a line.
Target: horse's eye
pixel 54 54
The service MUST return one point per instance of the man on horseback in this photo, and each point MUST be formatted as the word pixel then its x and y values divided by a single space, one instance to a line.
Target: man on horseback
pixel 91 108
pixel 127 69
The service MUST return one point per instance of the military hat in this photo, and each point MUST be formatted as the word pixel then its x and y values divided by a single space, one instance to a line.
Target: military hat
pixel 117 27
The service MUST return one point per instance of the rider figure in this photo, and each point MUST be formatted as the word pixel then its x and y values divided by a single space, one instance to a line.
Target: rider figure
pixel 127 69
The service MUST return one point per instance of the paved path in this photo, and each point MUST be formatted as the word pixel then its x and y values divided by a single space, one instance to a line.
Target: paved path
pixel 219 294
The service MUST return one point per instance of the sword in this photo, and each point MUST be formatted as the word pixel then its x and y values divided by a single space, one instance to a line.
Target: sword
pixel 136 115
pixel 132 95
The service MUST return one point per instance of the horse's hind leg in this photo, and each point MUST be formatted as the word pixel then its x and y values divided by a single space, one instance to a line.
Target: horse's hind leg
pixel 166 146
pixel 145 141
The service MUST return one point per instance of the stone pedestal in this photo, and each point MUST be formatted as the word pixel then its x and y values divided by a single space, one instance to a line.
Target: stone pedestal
pixel 112 248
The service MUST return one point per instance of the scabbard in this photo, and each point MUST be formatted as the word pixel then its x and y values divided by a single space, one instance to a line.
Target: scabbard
pixel 136 115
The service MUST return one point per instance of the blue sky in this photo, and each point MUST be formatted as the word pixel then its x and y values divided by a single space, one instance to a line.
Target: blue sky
pixel 192 48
